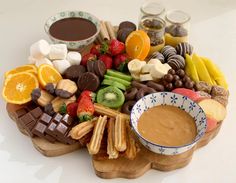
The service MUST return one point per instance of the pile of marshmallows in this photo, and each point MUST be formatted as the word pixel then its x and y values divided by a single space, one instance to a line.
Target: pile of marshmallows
pixel 55 55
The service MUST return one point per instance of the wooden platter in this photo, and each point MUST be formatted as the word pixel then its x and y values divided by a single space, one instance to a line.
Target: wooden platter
pixel 120 167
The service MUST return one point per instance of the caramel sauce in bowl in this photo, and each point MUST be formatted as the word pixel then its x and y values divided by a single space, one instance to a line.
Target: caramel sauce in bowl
pixel 76 29
pixel 168 123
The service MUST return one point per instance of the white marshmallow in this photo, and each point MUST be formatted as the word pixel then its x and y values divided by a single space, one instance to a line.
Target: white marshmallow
pixel 58 51
pixel 74 57
pixel 31 60
pixel 39 49
pixel 61 65
pixel 43 61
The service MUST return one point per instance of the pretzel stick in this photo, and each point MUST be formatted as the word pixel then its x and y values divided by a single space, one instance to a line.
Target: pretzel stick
pixel 103 32
pixel 110 30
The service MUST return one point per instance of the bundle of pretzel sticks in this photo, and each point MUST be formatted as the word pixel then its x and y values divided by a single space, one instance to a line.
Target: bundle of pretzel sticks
pixel 107 32
pixel 118 137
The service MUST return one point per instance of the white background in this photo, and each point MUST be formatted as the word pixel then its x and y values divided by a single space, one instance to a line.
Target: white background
pixel 213 34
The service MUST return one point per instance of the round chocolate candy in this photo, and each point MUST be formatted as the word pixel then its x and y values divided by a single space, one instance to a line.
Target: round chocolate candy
pixel 186 78
pixel 74 72
pixel 189 84
pixel 176 78
pixel 88 81
pixel 178 84
pixel 180 73
pixel 169 86
pixel 184 48
pixel 168 77
pixel 171 71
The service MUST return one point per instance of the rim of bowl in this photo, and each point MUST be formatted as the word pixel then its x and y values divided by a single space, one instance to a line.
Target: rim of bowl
pixel 185 145
pixel 98 27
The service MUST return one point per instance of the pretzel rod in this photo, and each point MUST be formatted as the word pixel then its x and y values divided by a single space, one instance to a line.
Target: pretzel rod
pixel 95 142
pixel 110 30
pixel 120 133
pixel 111 150
pixel 131 150
pixel 103 32
pixel 80 130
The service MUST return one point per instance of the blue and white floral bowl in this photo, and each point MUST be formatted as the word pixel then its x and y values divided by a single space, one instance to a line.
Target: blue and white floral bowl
pixel 73 45
pixel 168 98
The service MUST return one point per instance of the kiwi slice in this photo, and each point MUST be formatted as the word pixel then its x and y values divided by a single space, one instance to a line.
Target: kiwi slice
pixel 122 81
pixel 113 83
pixel 110 96
pixel 120 75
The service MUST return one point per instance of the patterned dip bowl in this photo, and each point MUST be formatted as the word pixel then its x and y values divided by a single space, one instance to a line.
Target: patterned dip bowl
pixel 168 98
pixel 73 45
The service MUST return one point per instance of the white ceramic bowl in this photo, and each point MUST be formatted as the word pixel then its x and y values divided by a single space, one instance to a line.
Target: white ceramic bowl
pixel 73 45
pixel 168 98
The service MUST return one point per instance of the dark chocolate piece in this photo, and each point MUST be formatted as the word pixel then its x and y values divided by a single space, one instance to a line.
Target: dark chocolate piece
pixel 20 112
pixel 57 118
pixel 37 112
pixel 74 72
pixel 88 81
pixel 49 109
pixel 39 129
pixel 90 66
pixel 61 129
pixel 50 129
pixel 45 119
pixel 127 24
pixel 26 119
pixel 67 120
pixel 99 68
pixel 123 33
pixel 50 88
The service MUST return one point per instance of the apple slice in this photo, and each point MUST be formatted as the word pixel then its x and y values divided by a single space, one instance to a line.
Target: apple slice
pixel 214 109
pixel 187 92
pixel 211 123
pixel 202 95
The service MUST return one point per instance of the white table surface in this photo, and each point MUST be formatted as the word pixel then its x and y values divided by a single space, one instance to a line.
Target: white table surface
pixel 213 34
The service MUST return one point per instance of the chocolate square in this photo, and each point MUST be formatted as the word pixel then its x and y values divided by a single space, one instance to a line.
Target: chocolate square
pixel 31 125
pixel 39 129
pixel 57 118
pixel 50 138
pixel 51 129
pixel 20 112
pixel 61 129
pixel 26 119
pixel 45 119
pixel 37 112
pixel 67 120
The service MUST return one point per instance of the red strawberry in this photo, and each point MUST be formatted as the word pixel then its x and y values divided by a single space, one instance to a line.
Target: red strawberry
pixel 120 62
pixel 107 60
pixel 89 94
pixel 96 50
pixel 71 109
pixel 116 47
pixel 87 57
pixel 85 109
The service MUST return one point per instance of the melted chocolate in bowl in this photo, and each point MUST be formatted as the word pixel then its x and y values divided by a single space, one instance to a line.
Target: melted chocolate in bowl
pixel 72 29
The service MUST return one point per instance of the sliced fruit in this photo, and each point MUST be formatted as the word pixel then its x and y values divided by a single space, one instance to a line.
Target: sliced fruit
pixel 187 92
pixel 122 81
pixel 190 68
pixel 138 44
pixel 113 83
pixel 201 69
pixel 214 109
pixel 211 123
pixel 119 75
pixel 135 66
pixel 48 74
pixel 145 77
pixel 110 97
pixel 147 68
pixel 17 88
pixel 25 68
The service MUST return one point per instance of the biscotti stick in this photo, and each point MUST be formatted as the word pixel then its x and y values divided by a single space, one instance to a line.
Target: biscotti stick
pixel 110 30
pixel 120 133
pixel 80 130
pixel 111 150
pixel 103 32
pixel 95 142
pixel 131 150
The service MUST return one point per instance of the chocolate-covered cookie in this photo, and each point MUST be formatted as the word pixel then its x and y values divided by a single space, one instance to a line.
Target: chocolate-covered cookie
pixel 157 55
pixel 99 68
pixel 168 51
pixel 74 72
pixel 127 24
pixel 90 66
pixel 88 81
pixel 184 48
pixel 123 33
pixel 176 62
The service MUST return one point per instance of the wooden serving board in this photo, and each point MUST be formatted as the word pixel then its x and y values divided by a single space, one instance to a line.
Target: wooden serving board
pixel 120 167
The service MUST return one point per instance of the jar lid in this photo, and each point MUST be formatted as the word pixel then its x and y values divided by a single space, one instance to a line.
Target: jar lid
pixel 152 8
pixel 177 17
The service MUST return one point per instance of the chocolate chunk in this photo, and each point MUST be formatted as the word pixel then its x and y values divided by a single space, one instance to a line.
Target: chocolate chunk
pixel 61 129
pixel 20 112
pixel 39 129
pixel 74 72
pixel 50 129
pixel 57 118
pixel 45 119
pixel 50 88
pixel 90 66
pixel 26 119
pixel 99 68
pixel 37 112
pixel 123 33
pixel 88 81
pixel 67 120
pixel 127 24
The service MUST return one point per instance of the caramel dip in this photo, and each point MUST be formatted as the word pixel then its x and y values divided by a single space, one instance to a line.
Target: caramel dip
pixel 167 125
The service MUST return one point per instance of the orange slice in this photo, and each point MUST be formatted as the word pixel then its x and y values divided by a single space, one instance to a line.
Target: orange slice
pixel 138 45
pixel 17 88
pixel 24 68
pixel 48 74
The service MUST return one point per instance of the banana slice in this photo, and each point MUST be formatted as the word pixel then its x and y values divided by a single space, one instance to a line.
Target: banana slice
pixel 154 61
pixel 146 77
pixel 158 71
pixel 136 77
pixel 147 68
pixel 135 66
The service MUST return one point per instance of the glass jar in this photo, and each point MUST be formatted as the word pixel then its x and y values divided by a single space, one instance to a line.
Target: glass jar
pixel 177 27
pixel 152 8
